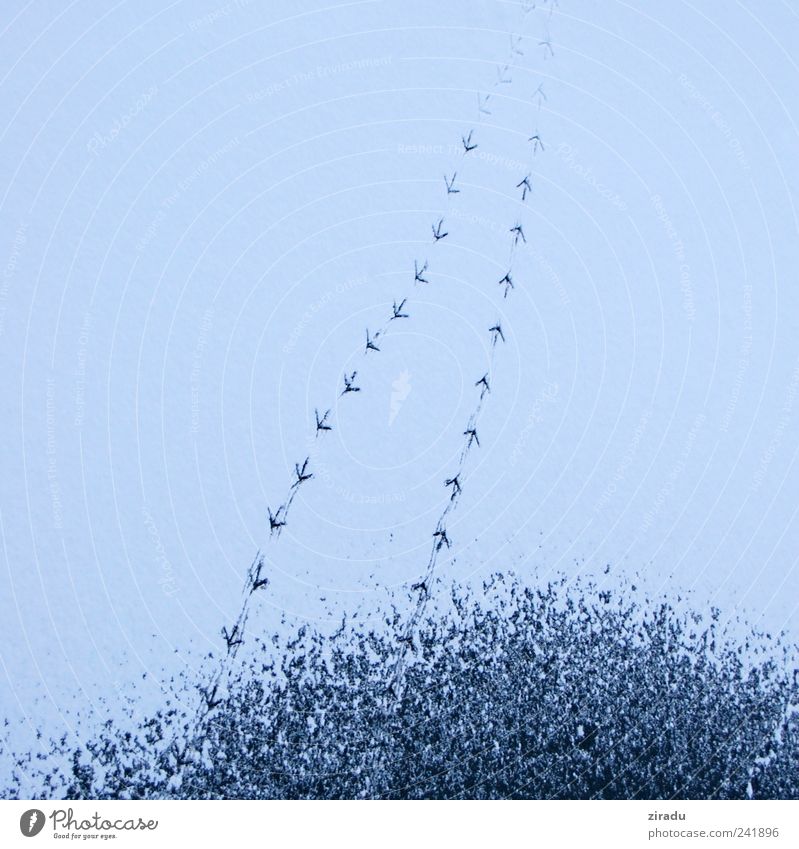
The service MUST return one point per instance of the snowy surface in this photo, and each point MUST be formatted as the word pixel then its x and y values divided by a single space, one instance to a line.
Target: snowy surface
pixel 205 205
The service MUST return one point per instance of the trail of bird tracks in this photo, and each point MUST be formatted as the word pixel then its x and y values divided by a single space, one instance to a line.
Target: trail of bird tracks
pixel 213 691
pixel 441 541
